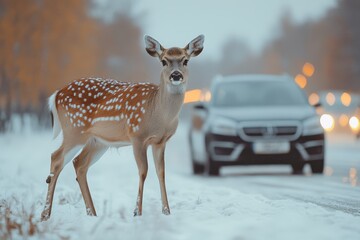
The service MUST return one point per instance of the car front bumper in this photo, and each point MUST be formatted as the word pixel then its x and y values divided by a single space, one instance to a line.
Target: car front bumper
pixel 232 150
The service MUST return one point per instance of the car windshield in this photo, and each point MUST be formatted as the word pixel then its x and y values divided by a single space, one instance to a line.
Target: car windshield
pixel 258 93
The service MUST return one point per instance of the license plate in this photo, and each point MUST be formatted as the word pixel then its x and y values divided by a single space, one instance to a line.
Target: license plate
pixel 270 147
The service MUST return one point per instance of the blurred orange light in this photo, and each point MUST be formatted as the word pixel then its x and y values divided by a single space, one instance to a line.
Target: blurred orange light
pixel 330 98
pixel 207 96
pixel 353 176
pixel 301 80
pixel 343 120
pixel 346 99
pixel 308 69
pixel 192 96
pixel 313 99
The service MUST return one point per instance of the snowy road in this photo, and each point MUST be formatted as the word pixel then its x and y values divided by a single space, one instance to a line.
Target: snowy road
pixel 244 203
pixel 337 189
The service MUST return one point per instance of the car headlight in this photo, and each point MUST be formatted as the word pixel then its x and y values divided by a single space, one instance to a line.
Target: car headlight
pixel 312 126
pixel 354 124
pixel 224 126
pixel 327 122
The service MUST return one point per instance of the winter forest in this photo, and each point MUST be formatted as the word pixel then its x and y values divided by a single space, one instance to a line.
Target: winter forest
pixel 46 44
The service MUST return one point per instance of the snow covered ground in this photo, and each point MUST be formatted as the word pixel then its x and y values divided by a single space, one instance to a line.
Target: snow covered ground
pixel 244 203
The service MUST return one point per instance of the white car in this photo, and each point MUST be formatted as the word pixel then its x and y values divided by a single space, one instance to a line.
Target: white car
pixel 256 119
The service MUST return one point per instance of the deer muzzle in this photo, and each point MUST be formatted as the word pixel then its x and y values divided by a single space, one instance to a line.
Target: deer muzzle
pixel 176 78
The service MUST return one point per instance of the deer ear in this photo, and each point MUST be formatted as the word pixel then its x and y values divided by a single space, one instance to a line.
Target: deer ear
pixel 195 47
pixel 153 47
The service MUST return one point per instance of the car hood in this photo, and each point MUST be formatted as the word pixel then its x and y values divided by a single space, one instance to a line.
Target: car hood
pixel 265 113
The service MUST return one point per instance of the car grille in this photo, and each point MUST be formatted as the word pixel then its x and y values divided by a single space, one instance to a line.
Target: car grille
pixel 284 131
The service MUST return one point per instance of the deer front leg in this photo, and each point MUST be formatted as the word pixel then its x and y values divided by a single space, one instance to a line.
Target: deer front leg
pixel 142 164
pixel 158 153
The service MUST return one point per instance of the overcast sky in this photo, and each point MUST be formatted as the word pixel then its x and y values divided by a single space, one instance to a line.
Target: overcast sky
pixel 175 23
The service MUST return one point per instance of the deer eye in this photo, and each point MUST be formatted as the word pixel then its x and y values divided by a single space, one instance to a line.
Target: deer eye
pixel 164 63
pixel 185 62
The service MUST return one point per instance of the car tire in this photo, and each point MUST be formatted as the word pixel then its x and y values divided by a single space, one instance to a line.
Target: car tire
pixel 317 167
pixel 212 168
pixel 197 167
pixel 297 168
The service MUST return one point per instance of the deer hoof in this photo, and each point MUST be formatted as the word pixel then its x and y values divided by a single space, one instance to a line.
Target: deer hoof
pixel 89 212
pixel 166 211
pixel 137 212
pixel 45 215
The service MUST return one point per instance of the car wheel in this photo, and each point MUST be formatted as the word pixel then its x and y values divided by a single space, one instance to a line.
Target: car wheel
pixel 197 167
pixel 317 166
pixel 297 168
pixel 212 168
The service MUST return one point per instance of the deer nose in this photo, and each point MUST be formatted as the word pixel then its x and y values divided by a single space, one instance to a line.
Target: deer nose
pixel 176 76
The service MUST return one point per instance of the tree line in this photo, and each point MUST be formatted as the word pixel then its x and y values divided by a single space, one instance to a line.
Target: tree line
pixel 45 44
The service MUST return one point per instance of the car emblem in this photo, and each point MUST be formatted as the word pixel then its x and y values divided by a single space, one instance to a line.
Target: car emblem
pixel 269 131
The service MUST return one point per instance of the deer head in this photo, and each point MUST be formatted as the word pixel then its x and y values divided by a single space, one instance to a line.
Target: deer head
pixel 174 60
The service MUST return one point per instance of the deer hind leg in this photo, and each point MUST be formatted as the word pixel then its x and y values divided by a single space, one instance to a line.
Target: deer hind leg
pixel 158 153
pixel 58 160
pixel 92 151
pixel 142 164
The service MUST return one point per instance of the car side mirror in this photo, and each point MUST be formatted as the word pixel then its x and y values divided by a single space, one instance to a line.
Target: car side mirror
pixel 200 106
pixel 317 105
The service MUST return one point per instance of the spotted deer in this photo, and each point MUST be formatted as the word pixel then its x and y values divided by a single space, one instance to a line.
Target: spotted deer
pixel 95 114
